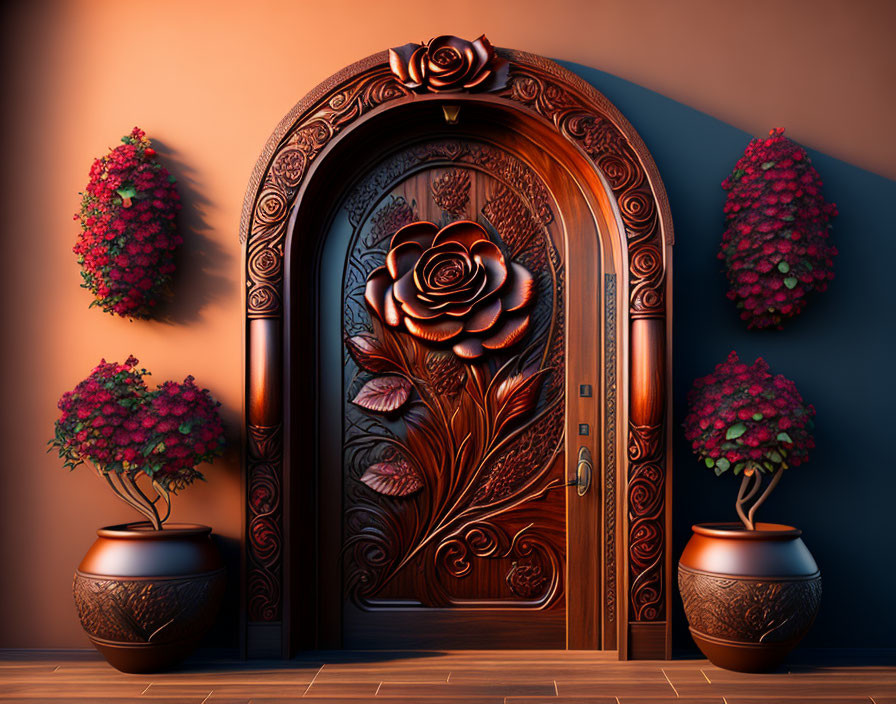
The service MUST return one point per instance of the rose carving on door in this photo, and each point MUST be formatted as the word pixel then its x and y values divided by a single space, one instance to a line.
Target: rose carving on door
pixel 458 417
pixel 451 286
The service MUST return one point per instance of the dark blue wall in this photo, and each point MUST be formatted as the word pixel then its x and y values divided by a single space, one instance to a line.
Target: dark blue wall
pixel 840 353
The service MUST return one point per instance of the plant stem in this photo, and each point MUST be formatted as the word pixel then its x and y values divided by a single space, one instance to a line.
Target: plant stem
pixel 768 490
pixel 133 480
pixel 127 498
pixel 124 496
pixel 165 496
pixel 757 483
pixel 140 499
pixel 739 504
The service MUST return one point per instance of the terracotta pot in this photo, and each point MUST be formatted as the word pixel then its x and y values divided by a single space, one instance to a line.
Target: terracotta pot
pixel 146 597
pixel 749 595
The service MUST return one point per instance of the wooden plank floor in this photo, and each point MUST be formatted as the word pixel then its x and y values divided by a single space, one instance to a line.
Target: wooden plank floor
pixel 465 677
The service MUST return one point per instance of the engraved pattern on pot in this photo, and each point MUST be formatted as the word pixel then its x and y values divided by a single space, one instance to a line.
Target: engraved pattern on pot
pixel 147 611
pixel 748 609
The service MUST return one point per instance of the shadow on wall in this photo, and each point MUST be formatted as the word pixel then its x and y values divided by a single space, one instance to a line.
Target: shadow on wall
pixel 195 286
pixel 839 352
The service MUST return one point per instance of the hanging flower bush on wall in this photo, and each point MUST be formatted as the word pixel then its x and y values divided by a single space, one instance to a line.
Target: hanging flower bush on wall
pixel 744 419
pixel 127 432
pixel 775 248
pixel 128 235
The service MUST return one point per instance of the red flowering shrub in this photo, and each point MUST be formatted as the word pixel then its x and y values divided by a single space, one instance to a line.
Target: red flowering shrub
pixel 775 246
pixel 112 420
pixel 128 235
pixel 742 418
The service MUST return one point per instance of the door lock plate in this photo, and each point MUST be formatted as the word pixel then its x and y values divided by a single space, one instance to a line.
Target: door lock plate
pixel 584 470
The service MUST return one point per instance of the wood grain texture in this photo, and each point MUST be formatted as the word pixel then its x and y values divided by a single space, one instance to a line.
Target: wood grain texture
pixel 440 677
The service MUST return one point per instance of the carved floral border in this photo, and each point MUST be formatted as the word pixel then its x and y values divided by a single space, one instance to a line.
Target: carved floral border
pixel 587 119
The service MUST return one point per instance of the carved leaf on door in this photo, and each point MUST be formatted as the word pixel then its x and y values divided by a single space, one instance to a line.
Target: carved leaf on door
pixel 368 353
pixel 384 394
pixel 392 478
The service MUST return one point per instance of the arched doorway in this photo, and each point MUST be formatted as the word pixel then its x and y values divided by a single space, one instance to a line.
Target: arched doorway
pixel 411 459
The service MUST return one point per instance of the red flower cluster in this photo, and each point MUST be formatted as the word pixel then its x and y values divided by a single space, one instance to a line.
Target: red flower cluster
pixel 98 420
pixel 743 417
pixel 128 236
pixel 185 429
pixel 775 247
pixel 113 420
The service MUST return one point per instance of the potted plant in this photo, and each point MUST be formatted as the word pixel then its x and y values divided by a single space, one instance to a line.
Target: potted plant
pixel 145 591
pixel 750 590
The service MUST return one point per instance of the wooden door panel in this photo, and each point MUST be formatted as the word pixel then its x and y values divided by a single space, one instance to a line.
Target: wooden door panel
pixel 453 479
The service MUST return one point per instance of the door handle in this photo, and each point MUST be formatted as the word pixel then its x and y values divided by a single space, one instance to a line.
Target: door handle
pixel 584 470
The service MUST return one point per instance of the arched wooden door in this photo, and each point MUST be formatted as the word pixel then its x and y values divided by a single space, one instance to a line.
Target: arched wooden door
pixel 439 354
pixel 448 277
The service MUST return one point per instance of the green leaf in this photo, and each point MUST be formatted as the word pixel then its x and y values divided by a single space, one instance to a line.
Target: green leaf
pixel 791 282
pixel 738 468
pixel 127 192
pixel 758 416
pixel 709 462
pixel 783 267
pixel 735 431
pixel 784 437
pixel 184 429
pixel 788 218
pixel 723 464
pixel 774 456
pixel 767 165
pixel 718 471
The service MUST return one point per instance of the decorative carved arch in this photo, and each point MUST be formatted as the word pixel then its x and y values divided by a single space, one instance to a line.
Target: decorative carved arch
pixel 637 335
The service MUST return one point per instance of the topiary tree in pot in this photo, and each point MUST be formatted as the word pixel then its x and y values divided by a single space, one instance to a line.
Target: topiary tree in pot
pixel 745 421
pixel 750 590
pixel 146 592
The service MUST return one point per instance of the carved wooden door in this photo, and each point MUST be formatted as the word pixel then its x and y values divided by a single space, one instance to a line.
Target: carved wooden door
pixel 456 265
pixel 447 358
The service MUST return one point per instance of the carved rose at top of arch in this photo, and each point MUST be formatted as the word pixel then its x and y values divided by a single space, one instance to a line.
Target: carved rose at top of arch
pixel 447 63
pixel 452 286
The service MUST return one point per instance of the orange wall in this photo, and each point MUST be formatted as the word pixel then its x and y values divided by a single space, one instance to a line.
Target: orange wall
pixel 209 80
